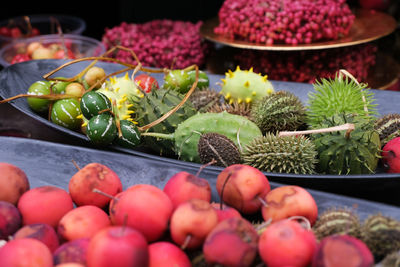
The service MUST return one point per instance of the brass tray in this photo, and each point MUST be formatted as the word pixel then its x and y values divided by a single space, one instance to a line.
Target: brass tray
pixel 368 26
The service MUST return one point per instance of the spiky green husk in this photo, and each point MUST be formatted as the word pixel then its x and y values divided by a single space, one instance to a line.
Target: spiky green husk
pixel 202 99
pixel 388 127
pixel 391 260
pixel 280 111
pixel 381 234
pixel 153 106
pixel 337 221
pixel 242 109
pixel 356 153
pixel 282 154
pixel 245 86
pixel 336 96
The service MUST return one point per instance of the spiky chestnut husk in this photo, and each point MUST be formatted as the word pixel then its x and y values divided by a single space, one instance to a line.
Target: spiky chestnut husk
pixel 202 99
pixel 245 86
pixel 280 111
pixel 337 221
pixel 381 234
pixel 215 146
pixel 153 106
pixel 282 154
pixel 336 96
pixel 242 109
pixel 344 153
pixel 388 127
pixel 391 260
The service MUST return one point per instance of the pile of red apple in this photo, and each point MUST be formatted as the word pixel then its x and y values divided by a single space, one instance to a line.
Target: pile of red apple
pixel 96 223
pixel 38 50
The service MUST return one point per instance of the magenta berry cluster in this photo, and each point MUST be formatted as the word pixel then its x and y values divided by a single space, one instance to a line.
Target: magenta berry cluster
pixel 158 43
pixel 307 66
pixel 284 21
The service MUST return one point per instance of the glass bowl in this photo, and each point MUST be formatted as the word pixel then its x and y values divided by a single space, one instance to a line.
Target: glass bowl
pixel 41 24
pixel 78 46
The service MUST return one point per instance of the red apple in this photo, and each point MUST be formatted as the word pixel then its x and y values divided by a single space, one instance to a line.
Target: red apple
pixel 72 251
pixel 40 231
pixel 184 186
pixel 164 253
pixel 69 264
pixel 82 222
pixel 242 186
pixel 287 201
pixel 10 219
pixel 233 242
pixel 118 246
pixel 45 204
pixel 143 207
pixel 13 183
pixel 94 176
pixel 25 252
pixel 224 211
pixel 391 156
pixel 191 222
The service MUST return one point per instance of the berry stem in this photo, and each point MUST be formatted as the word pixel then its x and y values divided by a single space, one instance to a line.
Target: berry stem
pixel 348 127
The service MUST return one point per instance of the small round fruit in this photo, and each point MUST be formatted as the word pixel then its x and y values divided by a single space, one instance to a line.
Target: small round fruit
pixel 101 129
pixel 93 102
pixel 58 87
pixel 93 75
pixel 130 134
pixel 42 53
pixel 146 82
pixel 39 88
pixel 65 112
pixel 203 81
pixel 75 89
pixel 32 47
pixel 178 80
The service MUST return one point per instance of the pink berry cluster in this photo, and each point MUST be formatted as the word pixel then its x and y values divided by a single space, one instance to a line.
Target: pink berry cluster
pixel 284 21
pixel 306 66
pixel 158 43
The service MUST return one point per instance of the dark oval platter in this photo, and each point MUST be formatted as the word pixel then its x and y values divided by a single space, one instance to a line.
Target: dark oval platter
pixel 47 163
pixel 380 186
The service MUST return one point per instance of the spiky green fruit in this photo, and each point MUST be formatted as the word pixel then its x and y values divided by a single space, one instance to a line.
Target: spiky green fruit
pixel 245 86
pixel 381 234
pixel 152 107
pixel 391 260
pixel 342 152
pixel 337 221
pixel 242 109
pixel 281 154
pixel 280 111
pixel 388 127
pixel 202 99
pixel 337 96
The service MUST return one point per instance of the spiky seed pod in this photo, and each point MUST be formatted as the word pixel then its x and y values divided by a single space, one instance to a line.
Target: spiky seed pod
pixel 215 146
pixel 280 111
pixel 202 99
pixel 242 109
pixel 381 234
pixel 355 152
pixel 388 127
pixel 282 154
pixel 338 95
pixel 391 260
pixel 245 86
pixel 337 221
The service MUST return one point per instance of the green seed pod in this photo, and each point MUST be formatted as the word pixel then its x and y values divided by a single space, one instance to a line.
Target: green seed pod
pixel 388 127
pixel 101 129
pixel 93 102
pixel 39 88
pixel 203 81
pixel 130 135
pixel 178 80
pixel 66 112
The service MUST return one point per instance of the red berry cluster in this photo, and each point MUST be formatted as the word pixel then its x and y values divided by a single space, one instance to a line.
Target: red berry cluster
pixel 284 21
pixel 306 66
pixel 158 43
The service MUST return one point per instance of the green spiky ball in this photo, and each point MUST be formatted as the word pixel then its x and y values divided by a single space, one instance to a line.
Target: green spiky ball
pixel 336 96
pixel 388 127
pixel 281 154
pixel 280 111
pixel 342 152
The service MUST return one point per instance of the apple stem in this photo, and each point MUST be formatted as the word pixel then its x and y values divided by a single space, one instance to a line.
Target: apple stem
pixel 76 165
pixel 302 220
pixel 263 225
pixel 221 202
pixel 204 166
pixel 95 190
pixel 263 202
pixel 186 242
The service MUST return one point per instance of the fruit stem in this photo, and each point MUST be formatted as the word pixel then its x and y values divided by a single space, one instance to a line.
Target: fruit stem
pixel 221 202
pixel 349 127
pixel 76 165
pixel 159 135
pixel 186 242
pixel 49 97
pixel 263 202
pixel 204 166
pixel 303 221
pixel 95 190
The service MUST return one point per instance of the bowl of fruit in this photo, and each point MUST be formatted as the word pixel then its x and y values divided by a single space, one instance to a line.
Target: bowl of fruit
pixel 22 27
pixel 52 46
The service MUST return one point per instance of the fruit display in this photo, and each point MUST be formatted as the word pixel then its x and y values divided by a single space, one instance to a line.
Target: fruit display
pixel 291 22
pixel 100 219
